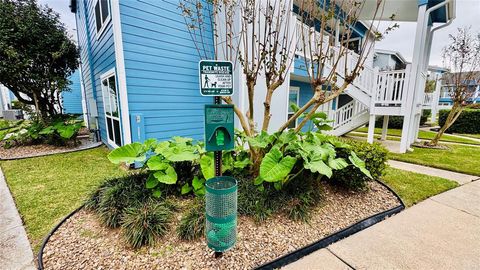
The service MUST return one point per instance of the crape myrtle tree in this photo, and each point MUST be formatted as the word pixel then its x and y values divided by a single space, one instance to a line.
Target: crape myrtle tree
pixel 36 55
pixel 462 57
pixel 261 37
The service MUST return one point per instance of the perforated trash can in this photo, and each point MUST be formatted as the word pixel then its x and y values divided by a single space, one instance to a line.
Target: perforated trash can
pixel 221 213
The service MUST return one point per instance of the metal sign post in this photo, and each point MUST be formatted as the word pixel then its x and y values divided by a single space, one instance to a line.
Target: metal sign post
pixel 216 79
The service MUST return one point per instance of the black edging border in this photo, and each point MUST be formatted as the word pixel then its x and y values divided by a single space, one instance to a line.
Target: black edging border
pixel 292 256
pixel 45 241
pixel 93 146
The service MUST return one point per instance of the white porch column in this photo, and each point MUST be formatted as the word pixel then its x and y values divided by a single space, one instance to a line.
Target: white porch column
pixel 436 98
pixel 371 128
pixel 385 127
pixel 410 106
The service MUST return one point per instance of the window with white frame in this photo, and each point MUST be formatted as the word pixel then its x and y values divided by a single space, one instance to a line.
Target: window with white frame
pixel 102 15
pixel 293 98
pixel 110 104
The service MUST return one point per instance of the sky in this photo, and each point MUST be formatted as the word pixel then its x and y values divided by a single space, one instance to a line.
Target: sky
pixel 401 39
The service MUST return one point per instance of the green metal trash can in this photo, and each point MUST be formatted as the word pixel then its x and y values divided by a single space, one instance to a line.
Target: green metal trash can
pixel 221 213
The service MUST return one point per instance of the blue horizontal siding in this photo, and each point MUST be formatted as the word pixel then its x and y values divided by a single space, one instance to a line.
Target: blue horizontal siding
pixel 72 99
pixel 161 65
pixel 97 56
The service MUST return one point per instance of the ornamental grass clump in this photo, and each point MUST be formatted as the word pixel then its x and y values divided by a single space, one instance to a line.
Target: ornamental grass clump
pixel 144 223
pixel 192 223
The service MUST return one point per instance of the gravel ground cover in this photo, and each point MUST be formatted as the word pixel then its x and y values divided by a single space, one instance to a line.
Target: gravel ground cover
pixel 44 149
pixel 83 243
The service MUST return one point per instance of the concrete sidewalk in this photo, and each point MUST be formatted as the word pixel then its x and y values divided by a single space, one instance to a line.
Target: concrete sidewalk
pixel 442 232
pixel 15 250
pixel 454 176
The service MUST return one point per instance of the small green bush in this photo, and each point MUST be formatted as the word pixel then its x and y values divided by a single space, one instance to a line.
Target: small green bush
pixel 192 223
pixel 468 122
pixel 375 157
pixel 144 223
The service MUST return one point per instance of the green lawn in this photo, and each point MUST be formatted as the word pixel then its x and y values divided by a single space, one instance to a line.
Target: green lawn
pixel 414 187
pixel 422 134
pixel 476 136
pixel 376 136
pixel 459 158
pixel 48 188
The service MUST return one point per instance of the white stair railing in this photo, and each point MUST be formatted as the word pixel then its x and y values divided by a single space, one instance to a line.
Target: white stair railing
pixel 428 99
pixel 348 113
pixel 391 88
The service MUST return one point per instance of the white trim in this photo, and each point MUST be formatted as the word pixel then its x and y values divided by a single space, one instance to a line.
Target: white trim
pixel 121 76
pixel 104 76
pixel 99 32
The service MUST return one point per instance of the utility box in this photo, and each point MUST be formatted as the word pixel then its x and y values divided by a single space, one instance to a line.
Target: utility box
pixel 219 127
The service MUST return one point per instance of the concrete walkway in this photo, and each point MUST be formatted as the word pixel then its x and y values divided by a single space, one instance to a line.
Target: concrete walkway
pixel 442 232
pixel 454 176
pixel 15 250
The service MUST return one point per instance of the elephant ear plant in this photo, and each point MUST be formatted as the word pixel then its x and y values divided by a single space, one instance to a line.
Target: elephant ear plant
pixel 184 164
pixel 161 159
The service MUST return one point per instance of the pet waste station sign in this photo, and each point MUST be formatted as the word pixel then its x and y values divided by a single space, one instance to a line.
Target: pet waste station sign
pixel 216 78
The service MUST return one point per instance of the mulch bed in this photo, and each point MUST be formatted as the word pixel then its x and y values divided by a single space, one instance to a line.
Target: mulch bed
pixel 27 151
pixel 83 243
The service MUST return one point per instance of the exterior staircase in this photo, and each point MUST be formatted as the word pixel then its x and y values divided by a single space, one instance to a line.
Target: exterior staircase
pixel 374 92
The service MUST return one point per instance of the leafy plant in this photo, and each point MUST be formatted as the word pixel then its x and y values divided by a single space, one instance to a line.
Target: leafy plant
pixel 364 156
pixel 60 131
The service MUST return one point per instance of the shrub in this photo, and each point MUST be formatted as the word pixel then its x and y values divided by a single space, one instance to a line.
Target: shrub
pixel 192 223
pixel 143 223
pixel 375 157
pixel 468 122
pixel 396 122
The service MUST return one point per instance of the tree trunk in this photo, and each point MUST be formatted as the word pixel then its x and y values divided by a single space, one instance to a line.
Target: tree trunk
pixel 451 118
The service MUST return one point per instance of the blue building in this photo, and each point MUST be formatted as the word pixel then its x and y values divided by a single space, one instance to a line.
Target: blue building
pixel 142 46
pixel 72 99
pixel 140 70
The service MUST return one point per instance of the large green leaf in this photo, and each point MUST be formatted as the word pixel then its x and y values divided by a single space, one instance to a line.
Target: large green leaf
pixel 207 166
pixel 186 189
pixel 241 164
pixel 156 163
pixel 169 176
pixel 198 183
pixel 318 166
pixel 160 147
pixel 337 163
pixel 180 152
pixel 129 153
pixel 261 141
pixel 357 162
pixel 67 131
pixel 275 167
pixel 151 181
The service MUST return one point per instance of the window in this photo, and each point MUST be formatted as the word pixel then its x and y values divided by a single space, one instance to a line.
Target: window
pixel 110 104
pixel 293 98
pixel 102 15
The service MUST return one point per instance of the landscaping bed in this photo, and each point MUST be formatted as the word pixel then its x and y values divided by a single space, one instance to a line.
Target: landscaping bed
pixel 83 242
pixel 26 151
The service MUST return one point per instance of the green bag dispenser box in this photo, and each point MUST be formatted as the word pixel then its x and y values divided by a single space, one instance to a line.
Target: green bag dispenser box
pixel 219 127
